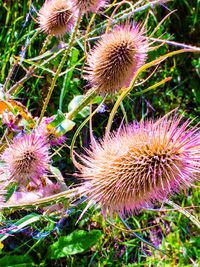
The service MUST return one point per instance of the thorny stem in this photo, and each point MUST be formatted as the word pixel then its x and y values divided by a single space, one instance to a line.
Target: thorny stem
pixel 185 46
pixel 87 31
pixel 9 76
pixel 138 236
pixel 15 88
pixel 90 94
pixel 46 42
pixel 60 68
pixel 139 71
pixel 46 201
pixel 185 212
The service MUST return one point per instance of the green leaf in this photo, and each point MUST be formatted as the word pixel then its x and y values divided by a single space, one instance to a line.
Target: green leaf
pixel 20 224
pixel 58 175
pixel 76 242
pixel 61 124
pixel 75 103
pixel 59 117
pixel 73 60
pixel 64 126
pixel 10 190
pixel 16 261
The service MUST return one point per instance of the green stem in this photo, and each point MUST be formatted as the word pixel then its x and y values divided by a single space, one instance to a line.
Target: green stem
pixel 90 94
pixel 46 201
pixel 140 70
pixel 60 68
pixel 184 212
pixel 138 236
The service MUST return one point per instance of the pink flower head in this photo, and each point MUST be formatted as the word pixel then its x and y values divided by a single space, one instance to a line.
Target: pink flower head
pixel 57 17
pixel 89 5
pixel 26 158
pixel 141 163
pixel 116 57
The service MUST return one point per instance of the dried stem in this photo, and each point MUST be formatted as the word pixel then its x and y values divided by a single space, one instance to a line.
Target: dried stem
pixel 60 68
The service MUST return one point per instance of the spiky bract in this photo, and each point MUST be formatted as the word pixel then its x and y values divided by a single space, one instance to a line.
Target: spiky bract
pixel 85 6
pixel 115 59
pixel 26 159
pixel 57 17
pixel 141 163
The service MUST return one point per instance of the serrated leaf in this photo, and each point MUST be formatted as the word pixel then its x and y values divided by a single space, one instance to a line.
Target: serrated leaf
pixel 74 243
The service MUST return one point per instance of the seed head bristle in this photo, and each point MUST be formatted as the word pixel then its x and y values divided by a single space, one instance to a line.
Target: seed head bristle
pixel 26 159
pixel 85 6
pixel 57 17
pixel 141 163
pixel 116 57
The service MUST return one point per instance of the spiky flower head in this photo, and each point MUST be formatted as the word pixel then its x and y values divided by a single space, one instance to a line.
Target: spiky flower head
pixel 116 57
pixel 85 6
pixel 57 17
pixel 26 159
pixel 141 163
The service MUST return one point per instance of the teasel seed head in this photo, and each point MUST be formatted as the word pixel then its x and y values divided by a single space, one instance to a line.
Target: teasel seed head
pixel 116 57
pixel 57 17
pixel 26 159
pixel 85 6
pixel 140 164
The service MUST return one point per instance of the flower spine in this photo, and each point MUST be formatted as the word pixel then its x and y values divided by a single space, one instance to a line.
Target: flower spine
pixel 26 159
pixel 115 59
pixel 141 163
pixel 57 17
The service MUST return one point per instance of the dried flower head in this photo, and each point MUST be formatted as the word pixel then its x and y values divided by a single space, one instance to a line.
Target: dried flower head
pixel 26 159
pixel 116 57
pixel 89 5
pixel 141 163
pixel 57 17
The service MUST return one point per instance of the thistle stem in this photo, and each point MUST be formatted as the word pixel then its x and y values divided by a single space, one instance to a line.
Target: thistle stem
pixel 90 94
pixel 139 71
pixel 138 236
pixel 184 212
pixel 46 201
pixel 60 68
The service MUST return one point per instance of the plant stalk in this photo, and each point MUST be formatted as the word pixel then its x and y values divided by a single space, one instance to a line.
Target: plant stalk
pixel 60 68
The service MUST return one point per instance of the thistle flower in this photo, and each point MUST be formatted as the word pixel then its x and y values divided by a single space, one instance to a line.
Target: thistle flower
pixel 89 5
pixel 115 59
pixel 26 159
pixel 57 17
pixel 141 163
